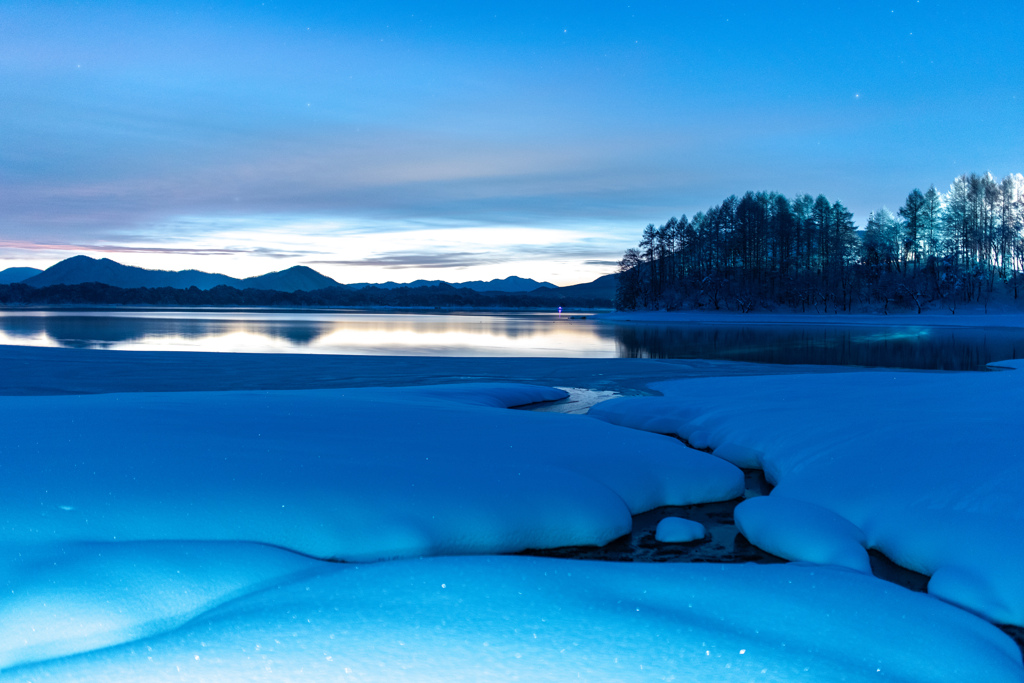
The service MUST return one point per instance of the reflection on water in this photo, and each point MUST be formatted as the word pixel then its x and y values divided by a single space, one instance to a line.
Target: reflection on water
pixel 922 348
pixel 339 332
pixel 505 334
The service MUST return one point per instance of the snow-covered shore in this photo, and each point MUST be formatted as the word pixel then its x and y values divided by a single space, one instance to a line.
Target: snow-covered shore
pixel 39 371
pixel 924 467
pixel 165 516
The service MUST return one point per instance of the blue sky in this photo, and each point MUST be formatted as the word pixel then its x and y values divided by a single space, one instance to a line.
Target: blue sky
pixel 469 140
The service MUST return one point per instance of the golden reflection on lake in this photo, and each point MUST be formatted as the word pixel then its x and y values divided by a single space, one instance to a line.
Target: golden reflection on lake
pixel 257 331
pixel 524 334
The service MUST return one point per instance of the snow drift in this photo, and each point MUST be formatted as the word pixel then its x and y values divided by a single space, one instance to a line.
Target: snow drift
pixel 363 474
pixel 925 467
pixel 508 618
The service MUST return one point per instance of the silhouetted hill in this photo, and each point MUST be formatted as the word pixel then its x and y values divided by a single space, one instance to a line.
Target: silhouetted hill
pixel 81 269
pixel 84 280
pixel 11 275
pixel 296 278
pixel 440 296
pixel 601 288
pixel 508 284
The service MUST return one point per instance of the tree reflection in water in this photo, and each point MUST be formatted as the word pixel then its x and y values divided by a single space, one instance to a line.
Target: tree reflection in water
pixel 919 348
pixel 510 334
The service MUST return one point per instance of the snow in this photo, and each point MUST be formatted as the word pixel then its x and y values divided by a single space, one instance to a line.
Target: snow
pixel 796 530
pixel 66 599
pixel 94 371
pixel 925 465
pixel 166 536
pixel 358 475
pixel 678 530
pixel 538 619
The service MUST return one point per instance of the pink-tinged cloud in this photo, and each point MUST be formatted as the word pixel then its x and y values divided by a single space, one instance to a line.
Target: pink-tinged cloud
pixel 120 249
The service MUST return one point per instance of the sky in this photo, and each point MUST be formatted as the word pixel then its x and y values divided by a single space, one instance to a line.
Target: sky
pixel 474 140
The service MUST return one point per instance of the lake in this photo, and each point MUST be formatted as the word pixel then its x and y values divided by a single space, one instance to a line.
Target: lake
pixel 525 334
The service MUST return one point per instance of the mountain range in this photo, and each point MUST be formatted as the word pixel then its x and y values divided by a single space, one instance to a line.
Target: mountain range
pixel 11 275
pixel 601 288
pixel 81 269
pixel 509 284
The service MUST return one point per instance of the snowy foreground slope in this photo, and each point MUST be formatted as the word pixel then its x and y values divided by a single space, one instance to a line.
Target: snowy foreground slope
pixel 182 536
pixel 925 467
pixel 532 619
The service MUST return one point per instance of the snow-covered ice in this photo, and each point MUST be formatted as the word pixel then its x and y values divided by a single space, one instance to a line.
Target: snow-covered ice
pixel 169 536
pixel 36 371
pixel 361 474
pixel 797 530
pixel 678 530
pixel 70 598
pixel 925 467
pixel 538 619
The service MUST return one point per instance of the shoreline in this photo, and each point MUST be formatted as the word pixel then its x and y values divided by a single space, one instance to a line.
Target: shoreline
pixel 340 309
pixel 96 371
pixel 972 319
pixel 969 318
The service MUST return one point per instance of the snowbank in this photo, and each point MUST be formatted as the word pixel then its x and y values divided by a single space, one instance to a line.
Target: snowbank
pixel 61 600
pixel 797 530
pixel 927 466
pixel 361 474
pixel 137 534
pixel 521 618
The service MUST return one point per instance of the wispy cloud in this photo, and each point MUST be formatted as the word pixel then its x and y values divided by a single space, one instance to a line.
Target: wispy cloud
pixel 417 260
pixel 275 253
pixel 599 252
pixel 127 249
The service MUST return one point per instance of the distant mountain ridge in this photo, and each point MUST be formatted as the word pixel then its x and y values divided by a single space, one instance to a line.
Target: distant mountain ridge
pixel 81 269
pixel 509 284
pixel 601 288
pixel 9 276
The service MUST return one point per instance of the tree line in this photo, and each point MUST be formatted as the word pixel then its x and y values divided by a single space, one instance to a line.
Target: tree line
pixel 445 296
pixel 764 250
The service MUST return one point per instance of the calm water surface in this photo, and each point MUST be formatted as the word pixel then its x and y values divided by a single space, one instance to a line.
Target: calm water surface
pixel 505 334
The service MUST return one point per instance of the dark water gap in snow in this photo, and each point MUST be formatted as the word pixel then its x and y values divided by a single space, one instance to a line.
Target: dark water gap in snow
pixel 722 541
